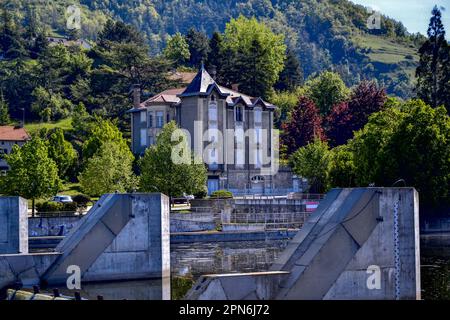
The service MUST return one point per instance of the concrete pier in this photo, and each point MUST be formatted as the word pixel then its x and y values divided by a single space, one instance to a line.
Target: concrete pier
pixel 123 237
pixel 13 225
pixel 360 244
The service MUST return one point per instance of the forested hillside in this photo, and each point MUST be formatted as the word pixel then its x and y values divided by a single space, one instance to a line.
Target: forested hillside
pixel 325 35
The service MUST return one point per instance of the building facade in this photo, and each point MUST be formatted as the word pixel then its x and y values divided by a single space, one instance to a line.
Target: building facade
pixel 232 132
pixel 10 136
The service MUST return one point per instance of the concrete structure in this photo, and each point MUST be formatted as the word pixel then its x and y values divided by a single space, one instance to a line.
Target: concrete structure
pixel 13 225
pixel 123 237
pixel 9 137
pixel 225 126
pixel 359 244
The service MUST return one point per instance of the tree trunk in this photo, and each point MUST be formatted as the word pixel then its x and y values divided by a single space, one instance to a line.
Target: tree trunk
pixel 32 207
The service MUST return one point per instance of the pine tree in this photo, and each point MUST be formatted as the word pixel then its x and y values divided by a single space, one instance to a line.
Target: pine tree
pixel 433 72
pixel 292 74
pixel 198 47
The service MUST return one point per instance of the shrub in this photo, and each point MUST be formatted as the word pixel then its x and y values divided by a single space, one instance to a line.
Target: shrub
pixel 81 201
pixel 46 207
pixel 201 194
pixel 49 207
pixel 222 194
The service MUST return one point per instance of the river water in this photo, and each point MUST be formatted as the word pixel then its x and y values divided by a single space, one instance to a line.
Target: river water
pixel 196 259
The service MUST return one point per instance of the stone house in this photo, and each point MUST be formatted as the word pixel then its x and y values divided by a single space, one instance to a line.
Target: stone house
pixel 232 131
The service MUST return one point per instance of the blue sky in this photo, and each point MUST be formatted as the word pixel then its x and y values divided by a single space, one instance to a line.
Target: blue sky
pixel 414 14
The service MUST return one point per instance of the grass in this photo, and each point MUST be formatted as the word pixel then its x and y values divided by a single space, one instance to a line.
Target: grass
pixel 70 189
pixel 385 50
pixel 65 124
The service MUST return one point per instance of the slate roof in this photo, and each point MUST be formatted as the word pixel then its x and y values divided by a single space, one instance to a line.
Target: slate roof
pixel 201 85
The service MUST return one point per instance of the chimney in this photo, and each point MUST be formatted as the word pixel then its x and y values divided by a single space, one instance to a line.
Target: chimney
pixel 136 96
pixel 235 87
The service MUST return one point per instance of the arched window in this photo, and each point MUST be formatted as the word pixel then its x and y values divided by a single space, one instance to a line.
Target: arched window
pixel 258 116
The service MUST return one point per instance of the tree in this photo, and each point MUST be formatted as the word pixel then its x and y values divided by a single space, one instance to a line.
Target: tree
pixel 348 117
pixel 292 75
pixel 11 43
pixel 177 49
pixel 215 56
pixel 409 142
pixel 119 32
pixel 254 42
pixel 433 72
pixel 313 163
pixel 100 132
pixel 109 170
pixel 161 174
pixel 303 127
pixel 326 90
pixel 342 168
pixel 4 111
pixel 199 49
pixel 59 149
pixel 33 173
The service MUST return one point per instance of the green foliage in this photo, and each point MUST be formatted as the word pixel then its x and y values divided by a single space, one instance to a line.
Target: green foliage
pixel 199 49
pixel 33 173
pixel 326 90
pixel 82 201
pixel 180 287
pixel 109 170
pixel 159 171
pixel 410 142
pixel 342 172
pixel 4 111
pixel 260 54
pixel 313 163
pixel 100 132
pixel 55 207
pixel 177 49
pixel 222 194
pixel 59 149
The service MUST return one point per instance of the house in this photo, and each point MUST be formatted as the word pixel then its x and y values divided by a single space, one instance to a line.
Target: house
pixel 10 136
pixel 233 132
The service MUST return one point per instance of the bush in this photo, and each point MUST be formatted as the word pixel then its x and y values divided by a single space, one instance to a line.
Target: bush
pixel 56 207
pixel 48 207
pixel 222 194
pixel 81 201
pixel 202 194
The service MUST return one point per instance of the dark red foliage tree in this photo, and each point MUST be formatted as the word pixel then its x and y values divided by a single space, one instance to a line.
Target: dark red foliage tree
pixel 338 124
pixel 351 116
pixel 304 125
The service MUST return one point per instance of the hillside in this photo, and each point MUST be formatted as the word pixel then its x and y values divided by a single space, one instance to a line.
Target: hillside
pixel 325 34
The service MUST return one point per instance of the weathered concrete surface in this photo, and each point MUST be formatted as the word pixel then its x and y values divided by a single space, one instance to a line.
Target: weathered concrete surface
pixel 352 231
pixel 13 225
pixel 186 225
pixel 248 286
pixel 52 226
pixel 125 236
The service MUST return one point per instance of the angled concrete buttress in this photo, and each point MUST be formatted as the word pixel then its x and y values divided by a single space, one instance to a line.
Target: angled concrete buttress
pixel 123 237
pixel 360 244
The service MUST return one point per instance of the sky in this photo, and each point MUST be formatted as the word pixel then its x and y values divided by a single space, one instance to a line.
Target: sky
pixel 414 14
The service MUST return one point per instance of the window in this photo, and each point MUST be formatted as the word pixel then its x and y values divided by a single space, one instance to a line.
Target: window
pixel 239 114
pixel 167 118
pixel 258 116
pixel 150 119
pixel 143 116
pixel 151 140
pixel 212 112
pixel 159 119
pixel 143 137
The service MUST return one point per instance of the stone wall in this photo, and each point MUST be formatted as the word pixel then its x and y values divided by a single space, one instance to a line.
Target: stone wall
pixel 13 225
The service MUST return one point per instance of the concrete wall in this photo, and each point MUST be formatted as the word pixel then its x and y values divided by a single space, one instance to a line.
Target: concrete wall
pixel 13 225
pixel 52 226
pixel 351 234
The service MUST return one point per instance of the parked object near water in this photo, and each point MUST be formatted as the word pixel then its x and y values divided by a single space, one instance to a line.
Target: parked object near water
pixel 359 244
